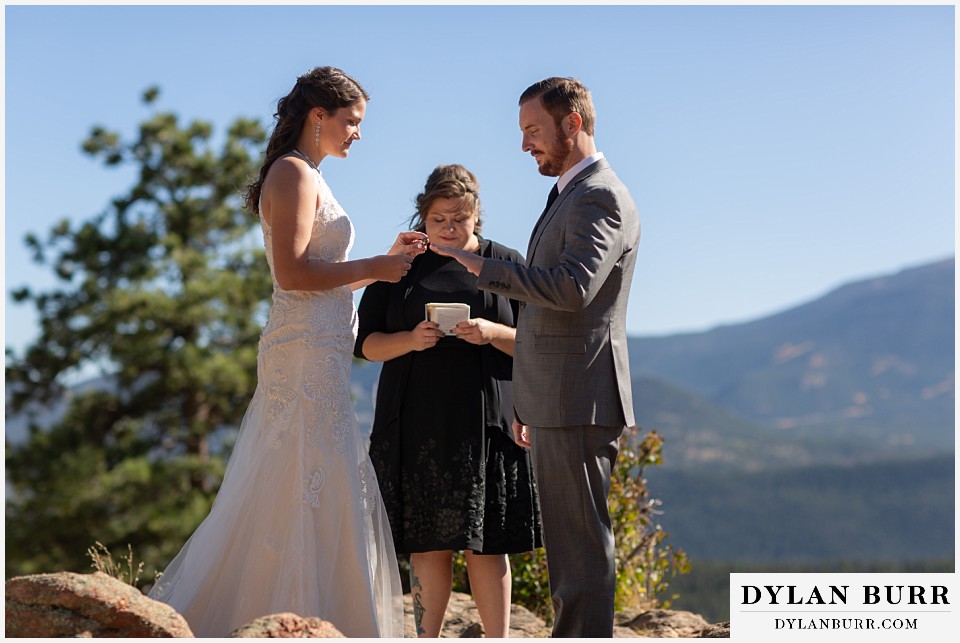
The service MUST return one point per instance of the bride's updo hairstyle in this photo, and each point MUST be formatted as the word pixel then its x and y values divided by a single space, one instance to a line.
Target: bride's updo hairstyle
pixel 326 87
pixel 448 182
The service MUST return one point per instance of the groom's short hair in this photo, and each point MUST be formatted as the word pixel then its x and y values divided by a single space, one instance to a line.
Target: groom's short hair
pixel 560 96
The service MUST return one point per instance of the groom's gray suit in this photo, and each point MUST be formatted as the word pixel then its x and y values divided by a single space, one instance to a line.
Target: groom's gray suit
pixel 571 380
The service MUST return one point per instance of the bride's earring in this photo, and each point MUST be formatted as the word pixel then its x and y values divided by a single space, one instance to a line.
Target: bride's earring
pixel 316 135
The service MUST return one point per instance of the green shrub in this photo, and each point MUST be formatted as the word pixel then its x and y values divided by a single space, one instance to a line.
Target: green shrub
pixel 645 562
pixel 531 587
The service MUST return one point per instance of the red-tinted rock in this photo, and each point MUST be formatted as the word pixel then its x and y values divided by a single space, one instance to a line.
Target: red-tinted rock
pixel 66 604
pixel 287 626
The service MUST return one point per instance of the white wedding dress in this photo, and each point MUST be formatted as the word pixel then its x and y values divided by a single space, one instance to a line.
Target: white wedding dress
pixel 298 524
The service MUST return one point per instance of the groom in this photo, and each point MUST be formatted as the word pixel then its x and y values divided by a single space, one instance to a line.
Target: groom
pixel 571 379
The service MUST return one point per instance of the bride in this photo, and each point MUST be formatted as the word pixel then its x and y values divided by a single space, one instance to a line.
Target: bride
pixel 298 524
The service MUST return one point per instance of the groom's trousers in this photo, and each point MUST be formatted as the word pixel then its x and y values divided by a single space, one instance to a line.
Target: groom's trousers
pixel 572 467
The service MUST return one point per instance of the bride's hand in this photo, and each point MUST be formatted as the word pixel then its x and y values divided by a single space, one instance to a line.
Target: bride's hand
pixel 409 243
pixel 390 267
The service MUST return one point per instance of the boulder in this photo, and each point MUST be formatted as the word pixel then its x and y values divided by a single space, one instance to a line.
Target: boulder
pixel 287 626
pixel 715 631
pixel 66 604
pixel 462 620
pixel 524 624
pixel 666 624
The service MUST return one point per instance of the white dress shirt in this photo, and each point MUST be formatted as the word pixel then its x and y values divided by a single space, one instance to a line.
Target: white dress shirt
pixel 572 172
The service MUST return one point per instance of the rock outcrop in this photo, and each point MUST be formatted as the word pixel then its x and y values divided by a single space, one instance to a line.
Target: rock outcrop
pixel 462 620
pixel 664 624
pixel 287 626
pixel 66 604
pixel 716 631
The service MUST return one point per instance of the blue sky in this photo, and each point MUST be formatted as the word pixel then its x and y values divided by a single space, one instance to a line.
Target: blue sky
pixel 774 152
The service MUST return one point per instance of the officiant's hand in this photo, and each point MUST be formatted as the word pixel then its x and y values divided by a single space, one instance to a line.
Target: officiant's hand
pixel 425 335
pixel 520 434
pixel 472 262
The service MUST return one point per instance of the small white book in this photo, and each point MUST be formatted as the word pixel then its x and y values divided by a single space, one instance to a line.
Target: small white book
pixel 447 315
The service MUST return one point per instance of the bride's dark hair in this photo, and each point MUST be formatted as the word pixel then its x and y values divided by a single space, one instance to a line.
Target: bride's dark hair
pixel 326 87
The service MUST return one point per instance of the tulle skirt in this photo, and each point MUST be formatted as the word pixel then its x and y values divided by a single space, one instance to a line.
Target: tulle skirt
pixel 298 524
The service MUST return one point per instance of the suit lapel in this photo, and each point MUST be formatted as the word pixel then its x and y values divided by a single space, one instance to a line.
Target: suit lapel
pixel 552 211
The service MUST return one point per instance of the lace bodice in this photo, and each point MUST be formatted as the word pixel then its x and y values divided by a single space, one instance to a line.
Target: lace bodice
pixel 332 236
pixel 314 315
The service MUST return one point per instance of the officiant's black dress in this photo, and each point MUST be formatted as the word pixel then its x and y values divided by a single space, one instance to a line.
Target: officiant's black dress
pixel 450 475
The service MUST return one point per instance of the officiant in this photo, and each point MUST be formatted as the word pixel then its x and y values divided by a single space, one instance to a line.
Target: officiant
pixel 451 476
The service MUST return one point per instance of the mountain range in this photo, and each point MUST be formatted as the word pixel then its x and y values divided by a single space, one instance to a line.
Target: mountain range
pixel 823 434
pixel 863 373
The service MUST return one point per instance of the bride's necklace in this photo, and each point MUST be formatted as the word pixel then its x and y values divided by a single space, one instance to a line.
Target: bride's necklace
pixel 306 158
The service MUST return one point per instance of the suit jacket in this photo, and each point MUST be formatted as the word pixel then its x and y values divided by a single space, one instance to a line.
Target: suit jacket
pixel 570 364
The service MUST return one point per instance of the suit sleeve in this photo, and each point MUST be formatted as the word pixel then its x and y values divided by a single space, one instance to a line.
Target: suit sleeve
pixel 592 246
pixel 515 257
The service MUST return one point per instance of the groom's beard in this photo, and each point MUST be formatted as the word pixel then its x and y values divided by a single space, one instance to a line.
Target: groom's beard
pixel 556 155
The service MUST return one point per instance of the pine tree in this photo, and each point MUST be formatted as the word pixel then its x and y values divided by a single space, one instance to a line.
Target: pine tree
pixel 164 293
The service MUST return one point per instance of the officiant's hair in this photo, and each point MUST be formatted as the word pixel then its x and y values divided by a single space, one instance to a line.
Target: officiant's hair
pixel 326 87
pixel 448 182
pixel 560 96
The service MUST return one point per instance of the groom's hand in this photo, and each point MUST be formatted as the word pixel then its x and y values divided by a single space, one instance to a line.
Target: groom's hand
pixel 520 434
pixel 473 263
pixel 476 331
